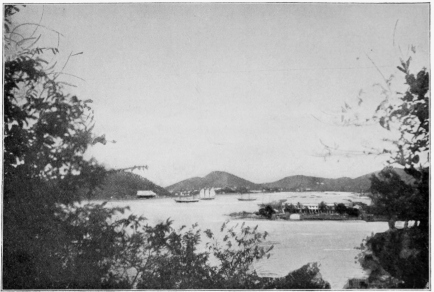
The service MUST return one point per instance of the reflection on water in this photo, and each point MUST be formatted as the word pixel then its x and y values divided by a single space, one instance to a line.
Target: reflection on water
pixel 330 243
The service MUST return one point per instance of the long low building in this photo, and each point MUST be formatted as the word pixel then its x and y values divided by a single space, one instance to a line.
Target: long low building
pixel 315 206
pixel 146 194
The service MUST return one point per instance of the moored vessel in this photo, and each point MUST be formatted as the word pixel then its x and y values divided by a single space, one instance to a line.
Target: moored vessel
pixel 207 194
pixel 246 198
pixel 190 198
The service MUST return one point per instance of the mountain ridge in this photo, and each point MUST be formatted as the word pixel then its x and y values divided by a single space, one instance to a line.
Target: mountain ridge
pixel 222 179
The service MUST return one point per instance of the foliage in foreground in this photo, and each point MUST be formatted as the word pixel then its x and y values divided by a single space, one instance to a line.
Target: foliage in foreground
pixel 46 132
pixel 93 249
pixel 403 254
pixel 409 114
pixel 397 258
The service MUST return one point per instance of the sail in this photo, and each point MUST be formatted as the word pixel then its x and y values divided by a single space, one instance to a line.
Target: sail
pixel 212 193
pixel 202 193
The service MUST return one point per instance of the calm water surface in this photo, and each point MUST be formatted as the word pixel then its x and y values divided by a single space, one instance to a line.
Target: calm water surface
pixel 296 243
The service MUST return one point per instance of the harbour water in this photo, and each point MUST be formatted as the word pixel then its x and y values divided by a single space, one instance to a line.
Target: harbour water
pixel 329 243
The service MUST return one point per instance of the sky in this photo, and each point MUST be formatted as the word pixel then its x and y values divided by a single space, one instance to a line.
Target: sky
pixel 254 89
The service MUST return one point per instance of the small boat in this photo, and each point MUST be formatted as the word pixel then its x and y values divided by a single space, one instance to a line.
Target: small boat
pixel 207 194
pixel 246 198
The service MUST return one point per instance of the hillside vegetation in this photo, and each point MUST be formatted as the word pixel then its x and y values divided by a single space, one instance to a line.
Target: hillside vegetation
pixel 124 185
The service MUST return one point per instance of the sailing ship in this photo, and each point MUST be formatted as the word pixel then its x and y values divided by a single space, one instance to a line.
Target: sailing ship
pixel 246 197
pixel 207 194
pixel 189 198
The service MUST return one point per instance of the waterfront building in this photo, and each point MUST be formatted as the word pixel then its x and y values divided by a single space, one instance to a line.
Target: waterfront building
pixel 146 194
pixel 311 207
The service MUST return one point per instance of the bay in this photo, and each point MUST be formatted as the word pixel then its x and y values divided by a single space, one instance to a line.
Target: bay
pixel 329 243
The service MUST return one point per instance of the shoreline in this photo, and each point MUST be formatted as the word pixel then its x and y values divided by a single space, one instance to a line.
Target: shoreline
pixel 285 217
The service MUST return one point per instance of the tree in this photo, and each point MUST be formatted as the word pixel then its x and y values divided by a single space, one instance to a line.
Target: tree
pixel 391 196
pixel 341 208
pixel 290 208
pixel 353 212
pixel 404 254
pixel 322 207
pixel 267 212
pixel 410 114
pixel 46 132
pixel 404 111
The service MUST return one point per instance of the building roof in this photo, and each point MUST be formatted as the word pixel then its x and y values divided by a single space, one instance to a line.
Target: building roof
pixel 146 194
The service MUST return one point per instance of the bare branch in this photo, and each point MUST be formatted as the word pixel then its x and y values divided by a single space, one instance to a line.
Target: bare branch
pixel 40 20
pixel 68 74
pixel 61 71
pixel 379 71
pixel 33 42
pixel 29 23
pixel 394 31
pixel 18 34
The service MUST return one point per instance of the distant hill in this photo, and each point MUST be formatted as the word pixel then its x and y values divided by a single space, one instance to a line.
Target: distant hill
pixel 124 185
pixel 344 184
pixel 220 179
pixel 301 182
pixel 216 179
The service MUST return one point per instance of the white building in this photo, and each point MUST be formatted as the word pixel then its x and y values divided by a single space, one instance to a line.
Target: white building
pixel 312 207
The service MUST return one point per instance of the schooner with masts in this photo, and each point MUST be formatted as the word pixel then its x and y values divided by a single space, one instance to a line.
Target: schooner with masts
pixel 207 194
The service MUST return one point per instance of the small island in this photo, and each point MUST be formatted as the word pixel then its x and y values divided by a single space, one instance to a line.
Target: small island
pixel 280 210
